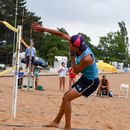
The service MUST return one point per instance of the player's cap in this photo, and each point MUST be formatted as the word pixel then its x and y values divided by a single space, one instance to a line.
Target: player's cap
pixel 78 41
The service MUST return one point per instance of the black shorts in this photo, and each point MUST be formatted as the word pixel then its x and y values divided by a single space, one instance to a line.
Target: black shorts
pixel 32 60
pixel 85 86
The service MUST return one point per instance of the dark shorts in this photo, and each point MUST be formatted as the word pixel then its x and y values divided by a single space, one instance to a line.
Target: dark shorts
pixel 85 86
pixel 32 59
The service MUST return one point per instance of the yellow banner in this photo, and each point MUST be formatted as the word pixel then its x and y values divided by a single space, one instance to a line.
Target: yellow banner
pixel 6 71
pixel 9 26
pixel 15 30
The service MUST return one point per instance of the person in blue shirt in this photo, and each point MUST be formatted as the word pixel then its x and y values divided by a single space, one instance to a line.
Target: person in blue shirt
pixel 27 55
pixel 82 61
pixel 20 77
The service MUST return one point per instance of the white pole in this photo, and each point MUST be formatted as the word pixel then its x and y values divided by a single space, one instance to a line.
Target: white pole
pixel 30 60
pixel 30 64
pixel 15 87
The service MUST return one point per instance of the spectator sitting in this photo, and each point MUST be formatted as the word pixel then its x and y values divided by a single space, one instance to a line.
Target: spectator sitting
pixel 104 87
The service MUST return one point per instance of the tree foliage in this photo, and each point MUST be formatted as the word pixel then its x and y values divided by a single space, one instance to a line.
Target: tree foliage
pixel 24 17
pixel 114 46
pixel 52 46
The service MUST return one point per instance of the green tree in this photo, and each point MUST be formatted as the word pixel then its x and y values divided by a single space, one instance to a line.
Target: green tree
pixel 87 40
pixel 114 46
pixel 51 55
pixel 52 46
pixel 125 39
pixel 5 55
pixel 24 17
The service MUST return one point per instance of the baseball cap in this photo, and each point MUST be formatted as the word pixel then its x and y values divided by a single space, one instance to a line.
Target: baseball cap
pixel 78 41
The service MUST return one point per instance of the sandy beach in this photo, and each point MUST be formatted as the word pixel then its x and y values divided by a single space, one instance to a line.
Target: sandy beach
pixel 35 109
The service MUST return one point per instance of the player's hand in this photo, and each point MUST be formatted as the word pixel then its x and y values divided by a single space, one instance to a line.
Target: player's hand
pixel 37 27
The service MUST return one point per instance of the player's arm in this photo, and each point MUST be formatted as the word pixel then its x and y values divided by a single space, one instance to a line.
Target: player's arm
pixel 100 83
pixel 85 61
pixel 38 28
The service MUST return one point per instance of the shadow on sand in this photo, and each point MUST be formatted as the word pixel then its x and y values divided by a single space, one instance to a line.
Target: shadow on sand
pixel 37 126
pixel 22 125
pixel 81 129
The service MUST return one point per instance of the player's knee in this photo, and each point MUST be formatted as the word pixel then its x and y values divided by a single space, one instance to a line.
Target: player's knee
pixel 65 99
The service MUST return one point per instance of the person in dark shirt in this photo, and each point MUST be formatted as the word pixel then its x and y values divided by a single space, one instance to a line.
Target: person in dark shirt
pixel 104 85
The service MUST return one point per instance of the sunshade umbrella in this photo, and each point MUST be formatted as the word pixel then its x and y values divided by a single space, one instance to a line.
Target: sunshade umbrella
pixel 105 67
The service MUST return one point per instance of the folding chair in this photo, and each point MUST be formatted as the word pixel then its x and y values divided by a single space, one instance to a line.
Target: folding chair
pixel 124 90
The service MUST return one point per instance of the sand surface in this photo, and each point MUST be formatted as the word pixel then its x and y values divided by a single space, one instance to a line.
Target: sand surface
pixel 35 109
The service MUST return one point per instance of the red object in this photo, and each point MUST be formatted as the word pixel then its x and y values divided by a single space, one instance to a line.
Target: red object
pixel 71 74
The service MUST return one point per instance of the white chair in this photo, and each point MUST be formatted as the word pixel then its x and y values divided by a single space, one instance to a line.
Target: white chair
pixel 124 91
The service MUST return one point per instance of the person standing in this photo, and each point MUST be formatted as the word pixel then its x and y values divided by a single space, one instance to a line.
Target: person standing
pixel 72 77
pixel 30 51
pixel 82 60
pixel 20 77
pixel 62 76
pixel 36 75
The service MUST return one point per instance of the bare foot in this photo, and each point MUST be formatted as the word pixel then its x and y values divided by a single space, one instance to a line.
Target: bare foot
pixel 52 124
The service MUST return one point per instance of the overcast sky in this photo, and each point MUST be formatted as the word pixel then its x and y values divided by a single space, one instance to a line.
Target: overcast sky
pixel 93 17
